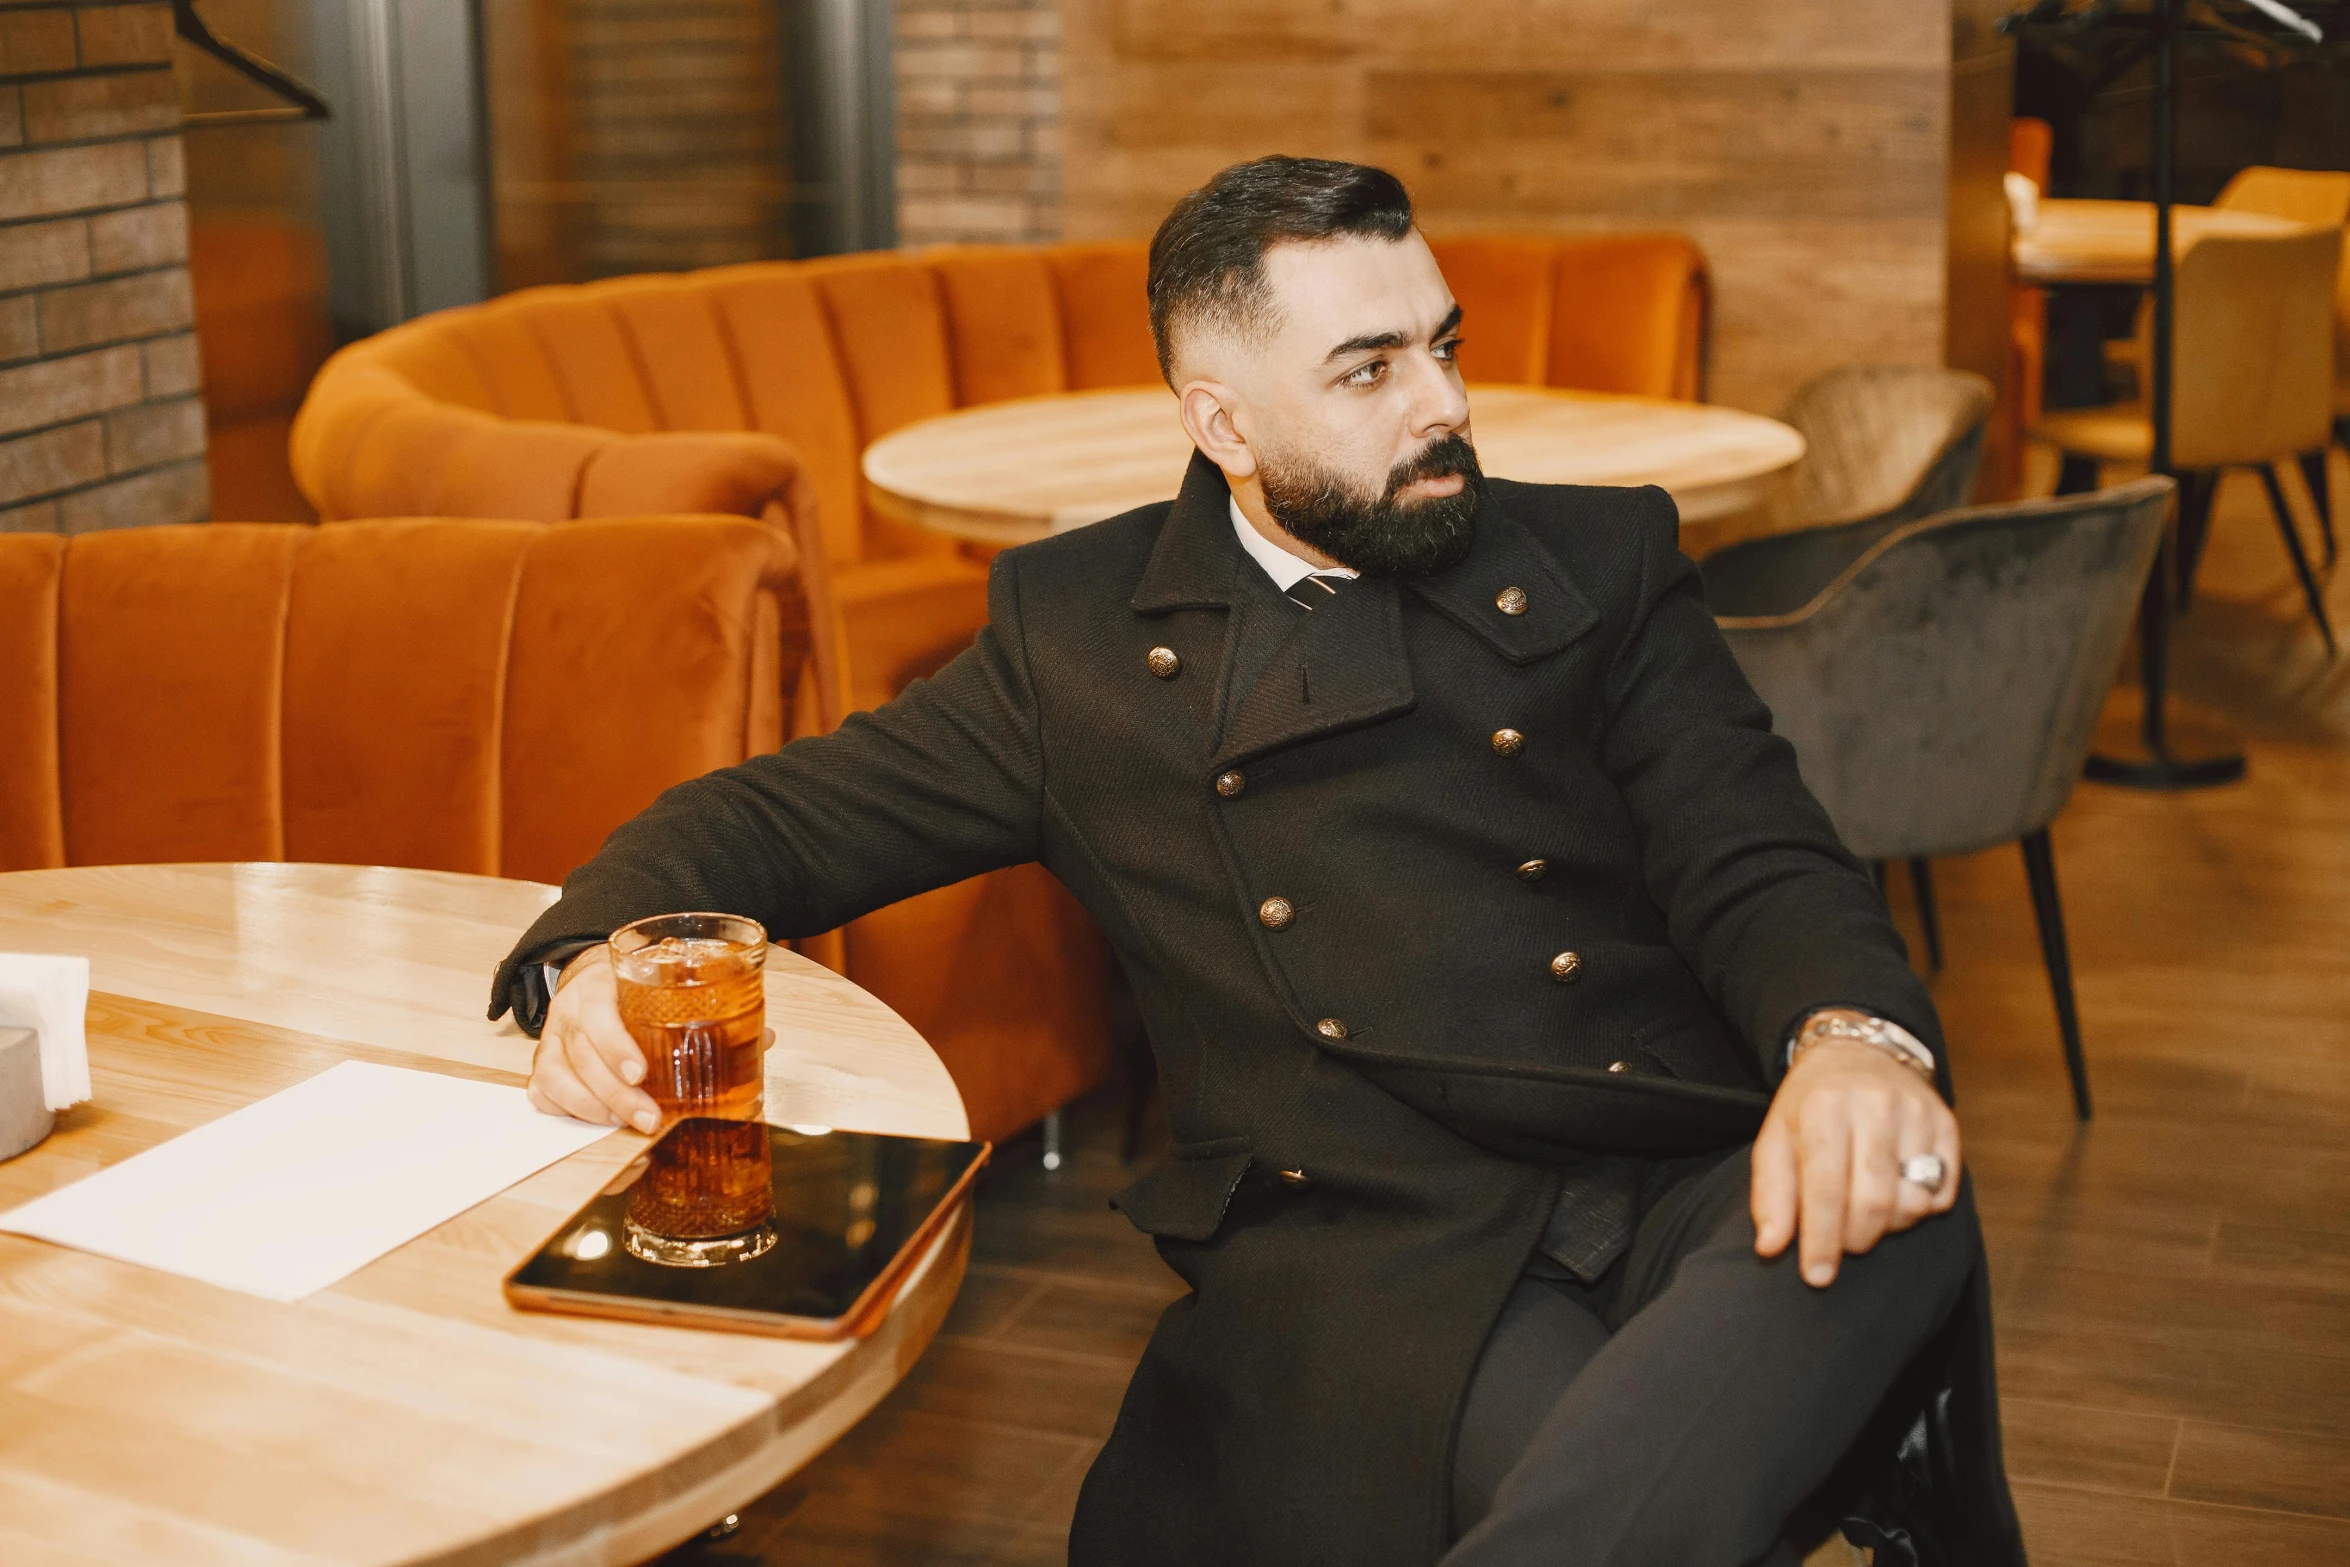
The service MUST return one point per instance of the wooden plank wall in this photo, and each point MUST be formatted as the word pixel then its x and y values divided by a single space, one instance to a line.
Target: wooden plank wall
pixel 1805 144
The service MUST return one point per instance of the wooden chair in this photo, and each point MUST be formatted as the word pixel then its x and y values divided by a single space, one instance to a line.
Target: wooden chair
pixel 2315 196
pixel 2253 385
pixel 1941 681
pixel 2030 144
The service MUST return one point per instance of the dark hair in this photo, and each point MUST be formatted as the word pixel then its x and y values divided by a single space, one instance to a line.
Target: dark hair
pixel 1208 258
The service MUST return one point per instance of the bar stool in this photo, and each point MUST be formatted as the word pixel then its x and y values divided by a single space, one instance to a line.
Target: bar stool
pixel 2253 385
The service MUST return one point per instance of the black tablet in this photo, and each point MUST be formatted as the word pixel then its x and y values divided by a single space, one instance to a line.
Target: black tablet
pixel 738 1225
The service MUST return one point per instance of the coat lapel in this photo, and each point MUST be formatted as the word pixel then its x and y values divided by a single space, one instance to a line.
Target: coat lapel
pixel 1506 556
pixel 1338 667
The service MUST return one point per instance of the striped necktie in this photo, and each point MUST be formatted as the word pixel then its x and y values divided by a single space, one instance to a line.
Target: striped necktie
pixel 1315 588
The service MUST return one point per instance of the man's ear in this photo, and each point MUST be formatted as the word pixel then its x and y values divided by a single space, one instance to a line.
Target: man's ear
pixel 1206 408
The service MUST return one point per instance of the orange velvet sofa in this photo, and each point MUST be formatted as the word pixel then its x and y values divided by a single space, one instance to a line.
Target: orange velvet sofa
pixel 754 389
pixel 438 694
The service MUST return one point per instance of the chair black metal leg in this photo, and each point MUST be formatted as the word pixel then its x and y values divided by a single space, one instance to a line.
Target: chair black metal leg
pixel 2040 869
pixel 1921 882
pixel 2076 475
pixel 2309 588
pixel 2197 491
pixel 2313 473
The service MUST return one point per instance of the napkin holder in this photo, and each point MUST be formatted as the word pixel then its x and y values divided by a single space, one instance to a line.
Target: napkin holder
pixel 25 1117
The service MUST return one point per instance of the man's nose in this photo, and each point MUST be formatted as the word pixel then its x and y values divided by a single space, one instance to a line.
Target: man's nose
pixel 1440 406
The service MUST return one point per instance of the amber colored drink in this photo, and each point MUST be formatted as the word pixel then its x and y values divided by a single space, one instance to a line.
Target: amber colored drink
pixel 692 997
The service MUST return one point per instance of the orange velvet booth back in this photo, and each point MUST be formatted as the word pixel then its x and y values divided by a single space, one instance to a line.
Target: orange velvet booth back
pixel 490 697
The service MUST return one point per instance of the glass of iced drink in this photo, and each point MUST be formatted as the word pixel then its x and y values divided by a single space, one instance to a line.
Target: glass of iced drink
pixel 692 997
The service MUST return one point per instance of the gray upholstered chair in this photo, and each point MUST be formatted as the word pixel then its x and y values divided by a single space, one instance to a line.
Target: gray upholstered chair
pixel 1887 442
pixel 1941 680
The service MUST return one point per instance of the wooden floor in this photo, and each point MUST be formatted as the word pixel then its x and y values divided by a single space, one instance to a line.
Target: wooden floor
pixel 2173 1281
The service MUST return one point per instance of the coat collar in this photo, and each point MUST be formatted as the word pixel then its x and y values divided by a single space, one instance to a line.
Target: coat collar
pixel 1191 566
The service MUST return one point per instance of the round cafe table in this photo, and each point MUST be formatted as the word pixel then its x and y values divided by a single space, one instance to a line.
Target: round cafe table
pixel 1007 473
pixel 2081 241
pixel 406 1414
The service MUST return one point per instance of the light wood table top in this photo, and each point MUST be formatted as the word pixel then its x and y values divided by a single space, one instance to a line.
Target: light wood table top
pixel 2078 241
pixel 1007 473
pixel 406 1414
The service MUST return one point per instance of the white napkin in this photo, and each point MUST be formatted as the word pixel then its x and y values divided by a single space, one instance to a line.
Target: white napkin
pixel 50 995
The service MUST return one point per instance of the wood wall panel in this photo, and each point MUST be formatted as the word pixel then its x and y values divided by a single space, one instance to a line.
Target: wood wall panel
pixel 1806 145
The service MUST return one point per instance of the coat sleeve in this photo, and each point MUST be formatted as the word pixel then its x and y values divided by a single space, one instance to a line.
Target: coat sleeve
pixel 942 783
pixel 1761 899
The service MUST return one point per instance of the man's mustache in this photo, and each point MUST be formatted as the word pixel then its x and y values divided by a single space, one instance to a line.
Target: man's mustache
pixel 1439 459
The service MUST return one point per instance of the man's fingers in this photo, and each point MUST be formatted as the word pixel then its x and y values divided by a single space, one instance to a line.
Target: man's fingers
pixel 1771 1189
pixel 1872 1191
pixel 555 1088
pixel 624 1106
pixel 1913 1202
pixel 1824 1144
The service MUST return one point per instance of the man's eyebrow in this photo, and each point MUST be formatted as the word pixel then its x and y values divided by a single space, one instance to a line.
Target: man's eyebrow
pixel 1375 340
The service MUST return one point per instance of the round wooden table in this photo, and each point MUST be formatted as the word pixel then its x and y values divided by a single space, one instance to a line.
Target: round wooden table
pixel 406 1414
pixel 1008 473
pixel 2078 241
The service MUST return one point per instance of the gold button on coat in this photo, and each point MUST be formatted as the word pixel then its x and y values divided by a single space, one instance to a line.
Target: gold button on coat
pixel 1163 662
pixel 1566 966
pixel 1276 913
pixel 1330 1028
pixel 1508 742
pixel 1296 1178
pixel 1619 1066
pixel 1533 870
pixel 1510 601
pixel 1230 784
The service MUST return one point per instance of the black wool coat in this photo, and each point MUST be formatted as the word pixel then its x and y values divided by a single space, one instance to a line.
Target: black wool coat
pixel 1450 786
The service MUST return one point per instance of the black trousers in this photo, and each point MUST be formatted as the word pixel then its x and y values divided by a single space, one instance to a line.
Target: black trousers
pixel 1674 1413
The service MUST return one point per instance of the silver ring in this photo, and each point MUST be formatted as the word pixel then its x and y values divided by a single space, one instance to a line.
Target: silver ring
pixel 1926 1170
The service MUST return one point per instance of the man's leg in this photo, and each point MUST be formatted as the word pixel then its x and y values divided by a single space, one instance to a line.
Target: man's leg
pixel 1727 1392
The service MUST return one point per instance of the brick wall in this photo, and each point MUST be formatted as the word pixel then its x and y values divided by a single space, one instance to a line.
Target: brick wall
pixel 979 108
pixel 101 419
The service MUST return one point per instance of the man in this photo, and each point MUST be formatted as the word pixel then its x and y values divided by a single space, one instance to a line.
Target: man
pixel 1477 919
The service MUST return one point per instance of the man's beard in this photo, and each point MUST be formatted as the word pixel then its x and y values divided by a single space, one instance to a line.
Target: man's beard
pixel 1385 536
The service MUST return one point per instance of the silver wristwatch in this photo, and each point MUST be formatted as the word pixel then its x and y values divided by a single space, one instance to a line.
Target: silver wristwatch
pixel 1882 1033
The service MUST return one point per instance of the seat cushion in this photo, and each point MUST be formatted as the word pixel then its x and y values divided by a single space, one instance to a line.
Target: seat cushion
pixel 1105 314
pixel 1626 315
pixel 395 688
pixel 793 381
pixel 1003 321
pixel 634 666
pixel 1502 283
pixel 2120 432
pixel 169 740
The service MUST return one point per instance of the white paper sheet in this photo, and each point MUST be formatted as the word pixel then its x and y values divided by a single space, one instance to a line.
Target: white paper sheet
pixel 50 995
pixel 296 1191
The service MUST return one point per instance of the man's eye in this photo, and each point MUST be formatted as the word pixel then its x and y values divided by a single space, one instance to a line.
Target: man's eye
pixel 1449 349
pixel 1364 375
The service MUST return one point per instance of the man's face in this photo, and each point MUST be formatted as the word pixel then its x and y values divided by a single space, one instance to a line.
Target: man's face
pixel 1350 408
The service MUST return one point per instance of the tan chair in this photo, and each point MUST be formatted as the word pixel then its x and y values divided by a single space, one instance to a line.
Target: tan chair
pixel 2253 384
pixel 1889 442
pixel 2322 197
pixel 2315 196
pixel 2319 196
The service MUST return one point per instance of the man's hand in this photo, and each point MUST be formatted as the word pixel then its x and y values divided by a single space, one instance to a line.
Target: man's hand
pixel 587 1065
pixel 1831 1151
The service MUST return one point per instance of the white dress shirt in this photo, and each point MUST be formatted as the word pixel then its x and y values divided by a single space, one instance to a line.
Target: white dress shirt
pixel 1286 570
